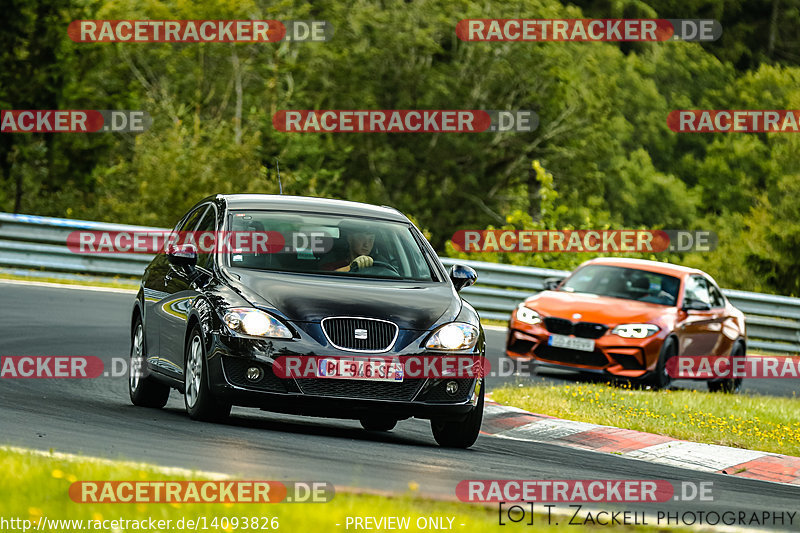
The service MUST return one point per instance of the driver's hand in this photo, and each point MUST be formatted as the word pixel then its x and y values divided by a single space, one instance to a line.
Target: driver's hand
pixel 362 261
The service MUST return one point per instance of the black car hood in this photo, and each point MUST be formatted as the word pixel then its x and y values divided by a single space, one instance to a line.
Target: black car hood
pixel 308 298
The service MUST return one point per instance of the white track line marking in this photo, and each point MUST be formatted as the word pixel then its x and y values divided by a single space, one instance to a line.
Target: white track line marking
pixel 497 409
pixel 695 455
pixel 68 286
pixel 547 430
pixel 168 470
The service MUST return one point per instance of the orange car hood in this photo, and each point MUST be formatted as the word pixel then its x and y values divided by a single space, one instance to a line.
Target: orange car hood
pixel 594 308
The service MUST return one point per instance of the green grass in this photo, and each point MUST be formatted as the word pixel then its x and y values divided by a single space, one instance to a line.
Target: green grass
pixel 763 423
pixel 35 485
pixel 493 322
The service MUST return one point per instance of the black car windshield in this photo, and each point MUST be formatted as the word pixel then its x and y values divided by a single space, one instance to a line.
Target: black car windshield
pixel 331 245
pixel 627 283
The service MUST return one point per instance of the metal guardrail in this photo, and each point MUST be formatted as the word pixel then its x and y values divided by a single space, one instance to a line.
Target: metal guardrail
pixel 27 241
pixel 41 243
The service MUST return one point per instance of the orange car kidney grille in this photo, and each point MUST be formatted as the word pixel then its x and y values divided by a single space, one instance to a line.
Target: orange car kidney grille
pixel 562 326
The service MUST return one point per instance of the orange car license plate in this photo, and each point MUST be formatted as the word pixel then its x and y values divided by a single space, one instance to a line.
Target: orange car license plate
pixel 573 343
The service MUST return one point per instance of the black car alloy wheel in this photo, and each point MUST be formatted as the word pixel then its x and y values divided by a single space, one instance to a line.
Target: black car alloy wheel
pixel 144 390
pixel 200 403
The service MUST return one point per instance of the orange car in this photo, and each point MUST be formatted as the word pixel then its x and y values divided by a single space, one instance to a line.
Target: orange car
pixel 626 317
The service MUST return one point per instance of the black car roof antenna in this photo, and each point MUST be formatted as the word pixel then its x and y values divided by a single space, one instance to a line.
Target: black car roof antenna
pixel 278 167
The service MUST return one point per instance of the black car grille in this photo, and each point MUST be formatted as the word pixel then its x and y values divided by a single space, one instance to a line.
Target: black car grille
pixel 361 389
pixel 589 330
pixel 558 325
pixel 236 372
pixel 566 355
pixel 439 393
pixel 586 330
pixel 341 332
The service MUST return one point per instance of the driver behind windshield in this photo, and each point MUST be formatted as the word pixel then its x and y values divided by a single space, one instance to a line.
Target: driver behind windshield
pixel 360 246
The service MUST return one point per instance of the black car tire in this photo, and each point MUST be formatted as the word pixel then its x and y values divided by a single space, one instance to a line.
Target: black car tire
pixel 143 390
pixel 731 385
pixel 378 424
pixel 661 378
pixel 463 433
pixel 200 402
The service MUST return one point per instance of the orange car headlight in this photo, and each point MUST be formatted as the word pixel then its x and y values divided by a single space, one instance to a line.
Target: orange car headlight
pixel 527 315
pixel 635 331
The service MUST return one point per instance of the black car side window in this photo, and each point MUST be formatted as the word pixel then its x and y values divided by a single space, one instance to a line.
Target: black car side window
pixel 207 224
pixel 191 220
pixel 187 223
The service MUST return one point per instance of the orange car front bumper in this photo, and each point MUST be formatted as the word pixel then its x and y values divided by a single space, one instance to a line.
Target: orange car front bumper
pixel 632 358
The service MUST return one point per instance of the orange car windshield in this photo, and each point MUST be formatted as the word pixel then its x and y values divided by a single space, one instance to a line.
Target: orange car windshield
pixel 626 283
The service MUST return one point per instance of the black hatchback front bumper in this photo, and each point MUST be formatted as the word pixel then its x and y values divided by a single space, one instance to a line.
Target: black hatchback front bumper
pixel 229 358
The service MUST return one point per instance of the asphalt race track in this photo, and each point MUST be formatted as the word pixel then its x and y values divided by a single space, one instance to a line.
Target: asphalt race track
pixel 95 417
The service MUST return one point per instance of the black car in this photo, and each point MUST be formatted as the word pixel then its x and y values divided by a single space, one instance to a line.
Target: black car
pixel 220 325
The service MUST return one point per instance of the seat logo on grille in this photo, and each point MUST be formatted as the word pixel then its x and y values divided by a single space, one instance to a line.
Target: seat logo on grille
pixel 360 334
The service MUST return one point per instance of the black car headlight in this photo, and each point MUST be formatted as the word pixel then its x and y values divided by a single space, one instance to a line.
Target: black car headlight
pixel 255 322
pixel 453 336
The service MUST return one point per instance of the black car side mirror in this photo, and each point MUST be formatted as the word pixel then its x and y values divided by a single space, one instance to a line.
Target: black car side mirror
pixel 695 305
pixel 462 276
pixel 551 284
pixel 182 255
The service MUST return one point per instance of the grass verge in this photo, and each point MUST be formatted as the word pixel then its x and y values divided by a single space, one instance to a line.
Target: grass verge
pixel 35 487
pixel 763 423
